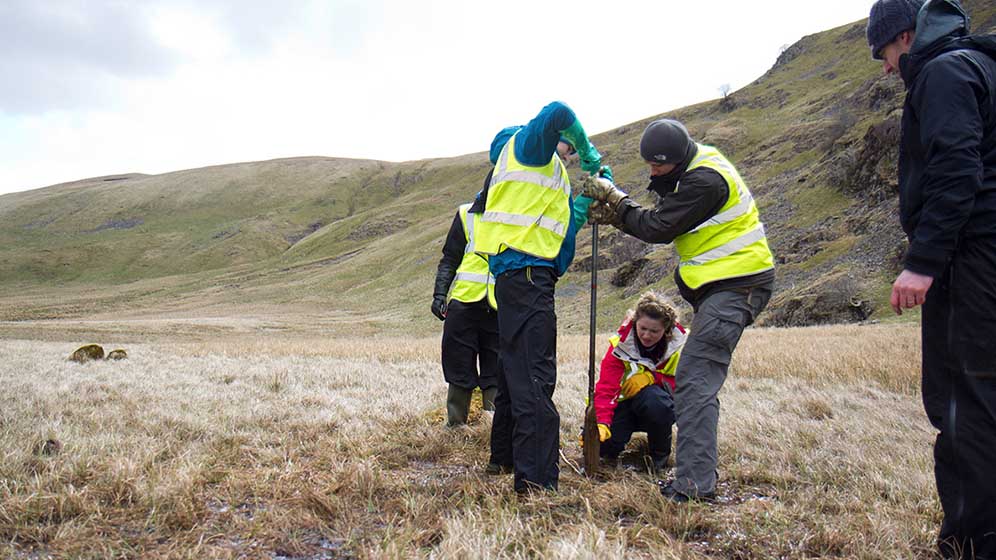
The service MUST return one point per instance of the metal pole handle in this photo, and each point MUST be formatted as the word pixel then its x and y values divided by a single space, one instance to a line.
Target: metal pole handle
pixel 591 327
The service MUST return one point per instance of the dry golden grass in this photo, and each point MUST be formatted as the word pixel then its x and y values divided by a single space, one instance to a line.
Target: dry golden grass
pixel 336 449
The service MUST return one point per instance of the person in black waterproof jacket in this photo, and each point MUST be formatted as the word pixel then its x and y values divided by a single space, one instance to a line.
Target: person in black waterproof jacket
pixel 464 298
pixel 947 198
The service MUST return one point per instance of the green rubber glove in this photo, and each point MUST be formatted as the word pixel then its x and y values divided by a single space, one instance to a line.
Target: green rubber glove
pixel 591 160
pixel 606 172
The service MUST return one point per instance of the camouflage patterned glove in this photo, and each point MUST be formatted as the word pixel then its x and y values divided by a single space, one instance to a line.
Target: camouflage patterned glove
pixel 600 213
pixel 598 188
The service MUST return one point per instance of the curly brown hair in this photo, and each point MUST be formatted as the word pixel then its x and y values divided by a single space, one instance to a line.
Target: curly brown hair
pixel 655 306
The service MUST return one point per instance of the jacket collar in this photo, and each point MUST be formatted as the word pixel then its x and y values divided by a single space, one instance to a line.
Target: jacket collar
pixel 939 26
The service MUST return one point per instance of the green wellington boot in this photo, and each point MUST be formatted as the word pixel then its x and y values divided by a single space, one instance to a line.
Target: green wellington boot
pixel 457 405
pixel 488 399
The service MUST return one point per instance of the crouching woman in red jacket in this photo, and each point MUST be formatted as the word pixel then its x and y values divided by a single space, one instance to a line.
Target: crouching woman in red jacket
pixel 636 380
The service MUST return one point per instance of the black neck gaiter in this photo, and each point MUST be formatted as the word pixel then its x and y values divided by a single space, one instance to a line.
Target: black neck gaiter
pixel 665 184
pixel 655 352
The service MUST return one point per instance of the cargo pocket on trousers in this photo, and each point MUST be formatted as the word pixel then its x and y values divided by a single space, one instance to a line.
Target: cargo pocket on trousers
pixel 715 339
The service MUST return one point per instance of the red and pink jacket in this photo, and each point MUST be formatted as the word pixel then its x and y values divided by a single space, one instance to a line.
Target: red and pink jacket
pixel 623 360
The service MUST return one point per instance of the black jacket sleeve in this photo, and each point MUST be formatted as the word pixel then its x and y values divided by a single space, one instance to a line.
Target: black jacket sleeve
pixel 453 249
pixel 947 105
pixel 700 195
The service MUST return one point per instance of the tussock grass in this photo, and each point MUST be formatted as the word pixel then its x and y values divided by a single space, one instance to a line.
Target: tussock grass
pixel 337 449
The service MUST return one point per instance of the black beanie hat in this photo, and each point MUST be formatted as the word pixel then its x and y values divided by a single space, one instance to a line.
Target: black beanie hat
pixel 666 141
pixel 887 20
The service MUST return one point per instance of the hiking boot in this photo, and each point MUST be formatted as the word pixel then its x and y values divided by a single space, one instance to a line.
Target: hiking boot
pixel 676 497
pixel 496 469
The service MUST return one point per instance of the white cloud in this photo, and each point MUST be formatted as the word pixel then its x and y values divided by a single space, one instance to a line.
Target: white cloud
pixel 219 81
pixel 67 55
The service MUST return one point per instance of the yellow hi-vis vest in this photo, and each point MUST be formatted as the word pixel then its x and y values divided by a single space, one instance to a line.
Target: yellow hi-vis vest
pixel 473 281
pixel 730 244
pixel 634 363
pixel 528 209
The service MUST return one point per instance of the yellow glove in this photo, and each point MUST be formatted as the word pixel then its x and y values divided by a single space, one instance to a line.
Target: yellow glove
pixel 636 383
pixel 603 432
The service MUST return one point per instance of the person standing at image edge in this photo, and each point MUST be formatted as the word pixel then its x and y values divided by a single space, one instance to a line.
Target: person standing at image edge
pixel 947 207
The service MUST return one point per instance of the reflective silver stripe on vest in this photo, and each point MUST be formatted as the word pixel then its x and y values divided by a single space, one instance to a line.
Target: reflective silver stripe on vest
pixel 473 277
pixel 469 222
pixel 535 178
pixel 544 222
pixel 728 249
pixel 502 166
pixel 502 173
pixel 632 369
pixel 734 212
pixel 721 163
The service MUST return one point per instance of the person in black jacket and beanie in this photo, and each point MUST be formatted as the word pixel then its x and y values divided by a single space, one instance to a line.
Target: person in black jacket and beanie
pixel 947 199
pixel 726 272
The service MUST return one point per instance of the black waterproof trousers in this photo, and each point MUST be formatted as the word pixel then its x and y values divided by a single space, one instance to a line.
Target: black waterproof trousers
pixel 525 432
pixel 470 336
pixel 651 411
pixel 959 394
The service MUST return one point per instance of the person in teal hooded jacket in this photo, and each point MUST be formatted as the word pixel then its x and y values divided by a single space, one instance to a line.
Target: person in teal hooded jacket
pixel 525 435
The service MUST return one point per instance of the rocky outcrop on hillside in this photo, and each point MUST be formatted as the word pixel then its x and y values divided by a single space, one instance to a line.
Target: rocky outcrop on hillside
pixel 834 298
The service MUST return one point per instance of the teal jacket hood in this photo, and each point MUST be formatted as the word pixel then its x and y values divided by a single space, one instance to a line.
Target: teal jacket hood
pixel 502 138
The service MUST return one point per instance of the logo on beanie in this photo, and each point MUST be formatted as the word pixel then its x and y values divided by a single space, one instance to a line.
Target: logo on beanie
pixel 661 157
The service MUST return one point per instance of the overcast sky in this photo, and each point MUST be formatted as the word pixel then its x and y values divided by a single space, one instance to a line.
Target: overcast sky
pixel 97 87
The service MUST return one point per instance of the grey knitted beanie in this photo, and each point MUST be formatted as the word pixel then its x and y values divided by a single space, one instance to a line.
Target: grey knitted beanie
pixel 888 19
pixel 666 141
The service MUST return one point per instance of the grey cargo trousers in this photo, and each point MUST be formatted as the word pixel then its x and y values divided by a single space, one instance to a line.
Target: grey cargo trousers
pixel 705 359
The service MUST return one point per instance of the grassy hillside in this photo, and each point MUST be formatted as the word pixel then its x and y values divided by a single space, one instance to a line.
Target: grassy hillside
pixel 356 241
